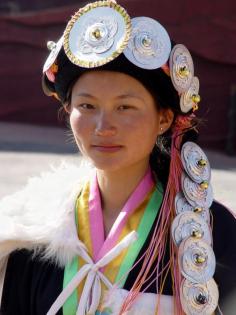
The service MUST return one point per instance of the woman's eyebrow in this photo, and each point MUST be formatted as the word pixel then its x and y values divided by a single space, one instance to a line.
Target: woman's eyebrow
pixel 83 94
pixel 120 97
pixel 129 95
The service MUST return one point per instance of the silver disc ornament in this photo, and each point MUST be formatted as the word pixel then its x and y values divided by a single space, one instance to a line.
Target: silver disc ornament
pixel 195 162
pixel 191 97
pixel 181 68
pixel 182 205
pixel 199 299
pixel 149 46
pixel 187 224
pixel 198 195
pixel 196 260
pixel 97 34
pixel 55 49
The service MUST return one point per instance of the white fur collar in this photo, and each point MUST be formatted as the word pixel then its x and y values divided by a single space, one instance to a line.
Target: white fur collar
pixel 41 215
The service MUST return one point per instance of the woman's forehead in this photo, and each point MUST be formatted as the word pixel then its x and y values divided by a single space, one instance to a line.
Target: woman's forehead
pixel 111 82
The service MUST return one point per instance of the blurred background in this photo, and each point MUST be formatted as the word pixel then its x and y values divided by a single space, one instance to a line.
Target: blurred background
pixel 31 135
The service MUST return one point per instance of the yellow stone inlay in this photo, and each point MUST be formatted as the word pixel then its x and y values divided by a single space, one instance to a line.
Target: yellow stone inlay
pixel 198 210
pixel 196 98
pixel 202 162
pixel 197 234
pixel 183 71
pixel 199 259
pixel 204 185
pixel 97 34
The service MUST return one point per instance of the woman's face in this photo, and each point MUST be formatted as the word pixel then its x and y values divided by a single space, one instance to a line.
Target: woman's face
pixel 114 120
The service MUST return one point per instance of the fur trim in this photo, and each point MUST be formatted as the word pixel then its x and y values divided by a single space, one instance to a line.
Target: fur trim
pixel 41 215
pixel 145 303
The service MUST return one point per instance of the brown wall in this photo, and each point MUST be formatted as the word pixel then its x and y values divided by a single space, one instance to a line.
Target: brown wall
pixel 207 28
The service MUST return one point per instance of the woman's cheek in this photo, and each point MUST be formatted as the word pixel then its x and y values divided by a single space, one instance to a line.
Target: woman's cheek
pixel 80 129
pixel 77 122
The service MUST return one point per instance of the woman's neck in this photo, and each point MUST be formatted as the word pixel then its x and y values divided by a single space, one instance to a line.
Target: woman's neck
pixel 116 187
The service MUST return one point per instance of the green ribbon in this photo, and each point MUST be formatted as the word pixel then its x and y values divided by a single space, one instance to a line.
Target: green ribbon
pixel 143 231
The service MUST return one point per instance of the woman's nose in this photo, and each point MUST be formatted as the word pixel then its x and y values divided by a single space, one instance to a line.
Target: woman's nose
pixel 105 125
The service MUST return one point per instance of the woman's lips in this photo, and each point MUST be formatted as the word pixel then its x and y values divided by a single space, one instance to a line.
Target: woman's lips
pixel 107 148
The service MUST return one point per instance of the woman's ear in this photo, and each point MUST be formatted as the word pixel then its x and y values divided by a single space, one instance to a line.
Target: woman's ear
pixel 166 119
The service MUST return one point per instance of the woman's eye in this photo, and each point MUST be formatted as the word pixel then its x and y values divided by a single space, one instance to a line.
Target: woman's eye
pixel 125 107
pixel 86 106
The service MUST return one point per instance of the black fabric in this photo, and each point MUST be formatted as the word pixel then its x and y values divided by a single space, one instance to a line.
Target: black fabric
pixel 31 286
pixel 224 246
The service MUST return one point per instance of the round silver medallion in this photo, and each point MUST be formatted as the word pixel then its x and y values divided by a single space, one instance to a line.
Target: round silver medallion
pixel 182 205
pixel 199 299
pixel 149 46
pixel 195 162
pixel 97 34
pixel 196 260
pixel 55 49
pixel 198 195
pixel 187 224
pixel 191 97
pixel 181 68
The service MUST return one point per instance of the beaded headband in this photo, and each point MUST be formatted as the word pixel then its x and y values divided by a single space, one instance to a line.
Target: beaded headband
pixel 97 34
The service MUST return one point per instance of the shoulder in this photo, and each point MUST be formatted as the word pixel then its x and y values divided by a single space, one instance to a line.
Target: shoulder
pixel 39 215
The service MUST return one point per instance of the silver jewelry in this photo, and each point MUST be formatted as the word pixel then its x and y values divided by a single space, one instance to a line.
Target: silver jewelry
pixel 195 162
pixel 97 34
pixel 182 205
pixel 198 195
pixel 199 299
pixel 190 98
pixel 181 68
pixel 196 260
pixel 55 49
pixel 192 234
pixel 149 46
pixel 188 224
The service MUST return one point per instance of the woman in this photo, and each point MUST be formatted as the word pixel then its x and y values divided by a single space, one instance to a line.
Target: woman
pixel 135 236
